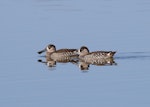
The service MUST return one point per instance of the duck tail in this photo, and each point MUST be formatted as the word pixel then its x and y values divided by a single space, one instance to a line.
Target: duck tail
pixel 111 53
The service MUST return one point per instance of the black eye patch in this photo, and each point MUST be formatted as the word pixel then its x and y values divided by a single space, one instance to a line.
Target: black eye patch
pixel 83 48
pixel 50 46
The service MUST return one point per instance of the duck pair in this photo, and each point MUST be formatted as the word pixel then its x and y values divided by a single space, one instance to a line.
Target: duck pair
pixel 83 54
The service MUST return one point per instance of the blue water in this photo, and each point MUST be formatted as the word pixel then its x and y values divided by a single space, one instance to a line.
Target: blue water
pixel 28 26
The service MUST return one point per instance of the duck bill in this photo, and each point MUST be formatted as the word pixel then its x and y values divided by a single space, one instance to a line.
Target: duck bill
pixel 39 52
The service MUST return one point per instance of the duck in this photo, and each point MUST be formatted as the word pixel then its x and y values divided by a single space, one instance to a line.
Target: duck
pixel 96 57
pixel 59 55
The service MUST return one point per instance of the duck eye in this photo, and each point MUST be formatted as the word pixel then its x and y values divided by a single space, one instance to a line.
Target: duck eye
pixel 49 47
pixel 81 49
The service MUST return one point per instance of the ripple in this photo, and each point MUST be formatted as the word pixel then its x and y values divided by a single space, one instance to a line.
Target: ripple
pixel 133 55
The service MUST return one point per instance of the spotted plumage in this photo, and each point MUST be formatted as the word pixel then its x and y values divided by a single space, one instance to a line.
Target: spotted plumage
pixel 94 57
pixel 61 54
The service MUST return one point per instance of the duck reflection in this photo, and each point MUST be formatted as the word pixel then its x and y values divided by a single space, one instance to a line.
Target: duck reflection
pixel 84 65
pixel 52 62
pixel 49 62
pixel 102 62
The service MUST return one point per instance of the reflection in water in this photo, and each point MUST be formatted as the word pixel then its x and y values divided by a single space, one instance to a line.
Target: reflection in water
pixel 49 63
pixel 81 64
pixel 52 62
pixel 101 62
pixel 84 66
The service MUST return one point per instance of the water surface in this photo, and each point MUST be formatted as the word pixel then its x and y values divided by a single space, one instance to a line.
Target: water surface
pixel 29 26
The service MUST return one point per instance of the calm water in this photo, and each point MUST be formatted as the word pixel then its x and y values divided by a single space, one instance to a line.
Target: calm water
pixel 27 26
